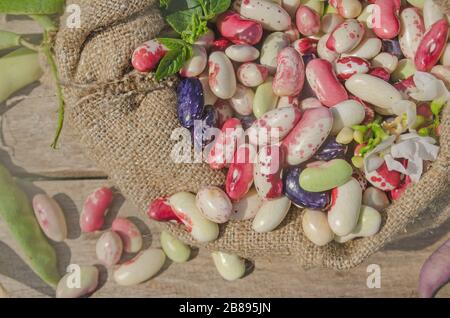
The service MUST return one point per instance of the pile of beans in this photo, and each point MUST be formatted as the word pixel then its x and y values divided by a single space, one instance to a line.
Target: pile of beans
pixel 322 76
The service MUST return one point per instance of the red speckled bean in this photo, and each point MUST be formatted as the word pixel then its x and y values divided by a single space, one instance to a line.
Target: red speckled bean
pixel 161 211
pixel 324 82
pixel 94 210
pixel 307 20
pixel 347 8
pixel 385 19
pixel 346 36
pixel 129 233
pixel 290 75
pixel 240 175
pixel 267 172
pixel 412 30
pixel 348 66
pixel 271 15
pixel 252 74
pixel 239 30
pixel 305 46
pixel 147 56
pixel 432 46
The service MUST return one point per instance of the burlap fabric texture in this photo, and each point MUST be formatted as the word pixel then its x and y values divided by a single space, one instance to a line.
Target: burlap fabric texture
pixel 125 121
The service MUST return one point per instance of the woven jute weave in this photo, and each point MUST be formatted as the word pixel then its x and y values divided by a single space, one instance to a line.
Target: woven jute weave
pixel 125 121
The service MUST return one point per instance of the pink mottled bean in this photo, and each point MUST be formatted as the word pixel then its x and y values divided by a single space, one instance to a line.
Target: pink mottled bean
pixel 305 46
pixel 310 102
pixel 347 8
pixel 271 15
pixel 94 210
pixel 242 100
pixel 330 21
pixel 238 29
pixel 385 19
pixel 307 20
pixel 224 111
pixel 252 74
pixel 324 82
pixel 50 217
pixel 267 172
pixel 324 52
pixel 348 66
pixel 346 36
pixel 109 248
pixel 129 233
pixel 161 211
pixel 147 56
pixel 411 33
pixel 290 75
pixel 308 135
pixel 240 175
pixel 288 101
pixel 292 33
pixel 432 46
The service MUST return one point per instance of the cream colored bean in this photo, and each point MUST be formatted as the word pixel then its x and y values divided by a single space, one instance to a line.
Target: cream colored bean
pixel 330 21
pixel 265 100
pixel 375 198
pixel 201 229
pixel 242 100
pixel 222 79
pixel 271 15
pixel 368 225
pixel 230 267
pixel 214 204
pixel 141 268
pixel 78 283
pixel 368 88
pixel 324 52
pixel 273 44
pixel 346 36
pixel 208 95
pixel 345 136
pixel 386 60
pixel 242 53
pixel 443 73
pixel 445 58
pixel 175 249
pixel 431 13
pixel 290 6
pixel 196 64
pixel 109 248
pixel 347 114
pixel 247 207
pixel 271 214
pixel 411 31
pixel 129 233
pixel 252 74
pixel 50 217
pixel 349 8
pixel 315 227
pixel 367 49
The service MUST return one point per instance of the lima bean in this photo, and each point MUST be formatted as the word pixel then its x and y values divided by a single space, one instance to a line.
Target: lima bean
pixel 176 250
pixel 230 267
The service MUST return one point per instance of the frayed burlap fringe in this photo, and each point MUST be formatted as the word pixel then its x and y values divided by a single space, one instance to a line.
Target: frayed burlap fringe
pixel 125 121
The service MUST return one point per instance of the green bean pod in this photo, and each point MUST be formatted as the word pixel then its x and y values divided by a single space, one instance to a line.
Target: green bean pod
pixel 17 70
pixel 32 6
pixel 16 212
pixel 8 39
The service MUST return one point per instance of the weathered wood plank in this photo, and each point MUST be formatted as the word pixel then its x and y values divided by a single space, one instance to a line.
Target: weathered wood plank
pixel 400 263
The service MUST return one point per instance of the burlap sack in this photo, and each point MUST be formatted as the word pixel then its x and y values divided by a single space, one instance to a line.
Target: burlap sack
pixel 125 121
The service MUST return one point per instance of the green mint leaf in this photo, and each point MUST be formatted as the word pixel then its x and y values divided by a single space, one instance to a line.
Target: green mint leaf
pixel 180 21
pixel 197 28
pixel 26 7
pixel 218 6
pixel 172 44
pixel 164 4
pixel 173 61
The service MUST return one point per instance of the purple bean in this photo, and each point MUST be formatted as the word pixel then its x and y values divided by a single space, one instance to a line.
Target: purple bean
pixel 190 101
pixel 331 150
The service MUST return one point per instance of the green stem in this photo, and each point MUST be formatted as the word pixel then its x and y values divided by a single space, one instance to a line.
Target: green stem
pixel 45 22
pixel 29 45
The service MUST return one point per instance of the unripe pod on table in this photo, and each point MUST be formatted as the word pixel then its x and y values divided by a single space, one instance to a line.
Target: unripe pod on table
pixel 176 250
pixel 324 83
pixel 348 66
pixel 239 30
pixel 267 172
pixel 431 46
pixel 50 217
pixel 240 174
pixel 230 267
pixel 271 214
pixel 386 24
pixel 247 207
pixel 346 36
pixel 290 75
pixel 146 57
pixel 196 64
pixel 109 248
pixel 368 225
pixel 308 135
pixel 201 229
pixel 307 20
pixel 214 204
pixel 411 32
pixel 252 74
pixel 345 207
pixel 222 79
pixel 242 53
pixel 94 210
pixel 141 268
pixel 315 227
pixel 272 16
pixel 129 233
pixel 88 283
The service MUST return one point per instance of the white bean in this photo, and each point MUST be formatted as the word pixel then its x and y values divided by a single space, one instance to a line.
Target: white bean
pixel 175 249
pixel 315 227
pixel 78 283
pixel 230 267
pixel 109 248
pixel 214 204
pixel 271 214
pixel 368 225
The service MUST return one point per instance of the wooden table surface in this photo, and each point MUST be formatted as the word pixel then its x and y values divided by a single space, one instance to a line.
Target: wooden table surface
pixel 27 124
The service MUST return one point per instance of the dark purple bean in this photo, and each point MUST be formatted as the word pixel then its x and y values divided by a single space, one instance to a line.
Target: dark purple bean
pixel 200 129
pixel 190 101
pixel 331 150
pixel 300 197
pixel 393 47
pixel 308 57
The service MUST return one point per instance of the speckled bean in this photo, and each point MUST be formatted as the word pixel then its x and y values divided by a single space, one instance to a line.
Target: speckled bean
pixel 222 152
pixel 214 204
pixel 94 210
pixel 290 76
pixel 345 207
pixel 208 96
pixel 141 268
pixel 347 8
pixel 367 49
pixel 88 282
pixel 175 249
pixel 230 267
pixel 242 100
pixel 384 179
pixel 386 24
pixel 196 64
pixel 239 30
pixel 375 198
pixel 324 52
pixel 129 233
pixel 326 176
pixel 265 99
pixel 411 32
pixel 146 57
pixel 267 172
pixel 346 36
pixel 445 57
pixel 247 207
pixel 307 20
pixel 315 227
pixel 431 13
pixel 50 217
pixel 368 225
pixel 222 79
pixel 330 21
pixel 431 46
pixel 242 53
pixel 271 15
pixel 271 214
pixel 273 44
pixel 252 74
pixel 348 66
pixel 109 248
pixel 201 229
pixel 324 82
pixel 308 135
pixel 385 60
pixel 240 174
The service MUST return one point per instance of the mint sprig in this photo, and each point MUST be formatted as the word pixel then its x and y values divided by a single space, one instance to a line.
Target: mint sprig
pixel 173 61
